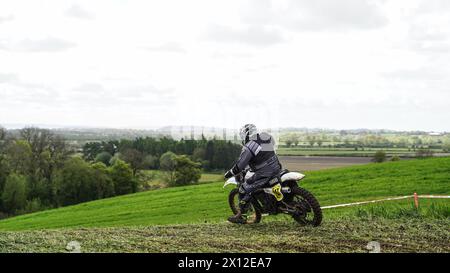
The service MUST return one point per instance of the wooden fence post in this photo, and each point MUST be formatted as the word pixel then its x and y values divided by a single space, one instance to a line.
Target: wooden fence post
pixel 416 200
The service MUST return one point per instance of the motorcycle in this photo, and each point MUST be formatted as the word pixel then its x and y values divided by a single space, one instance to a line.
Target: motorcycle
pixel 283 195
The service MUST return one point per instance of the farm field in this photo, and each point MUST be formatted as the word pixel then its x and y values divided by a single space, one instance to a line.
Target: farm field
pixel 310 163
pixel 368 152
pixel 155 178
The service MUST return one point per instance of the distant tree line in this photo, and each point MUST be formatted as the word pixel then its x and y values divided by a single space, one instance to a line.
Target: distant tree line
pixel 38 171
pixel 365 140
pixel 147 153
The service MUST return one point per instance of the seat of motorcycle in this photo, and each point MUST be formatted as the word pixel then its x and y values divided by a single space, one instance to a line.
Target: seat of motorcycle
pixel 283 172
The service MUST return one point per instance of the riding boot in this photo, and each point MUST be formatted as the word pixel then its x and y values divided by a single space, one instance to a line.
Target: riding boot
pixel 239 217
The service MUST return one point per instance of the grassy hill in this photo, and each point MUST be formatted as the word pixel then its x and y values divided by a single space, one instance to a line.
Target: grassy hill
pixel 207 203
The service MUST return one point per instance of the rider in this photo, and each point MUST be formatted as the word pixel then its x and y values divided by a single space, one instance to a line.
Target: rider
pixel 259 154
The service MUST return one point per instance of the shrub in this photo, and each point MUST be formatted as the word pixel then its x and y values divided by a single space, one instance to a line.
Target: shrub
pixel 186 171
pixel 395 158
pixel 380 156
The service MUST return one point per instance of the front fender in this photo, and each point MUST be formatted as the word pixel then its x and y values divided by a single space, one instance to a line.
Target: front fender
pixel 230 181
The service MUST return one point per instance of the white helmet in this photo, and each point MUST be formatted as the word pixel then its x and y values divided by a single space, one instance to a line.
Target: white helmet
pixel 246 132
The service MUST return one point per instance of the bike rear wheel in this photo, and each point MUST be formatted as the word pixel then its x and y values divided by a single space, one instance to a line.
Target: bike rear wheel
pixel 253 215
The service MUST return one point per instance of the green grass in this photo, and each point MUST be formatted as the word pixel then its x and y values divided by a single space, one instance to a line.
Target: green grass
pixel 154 179
pixel 428 209
pixel 211 177
pixel 207 203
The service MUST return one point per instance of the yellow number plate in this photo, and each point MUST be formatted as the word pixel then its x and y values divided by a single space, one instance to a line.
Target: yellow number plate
pixel 276 190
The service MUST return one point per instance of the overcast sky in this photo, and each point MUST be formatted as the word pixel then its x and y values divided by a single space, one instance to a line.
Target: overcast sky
pixel 300 63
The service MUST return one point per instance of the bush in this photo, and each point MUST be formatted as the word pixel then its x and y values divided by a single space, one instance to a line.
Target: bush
pixel 186 171
pixel 395 158
pixel 380 156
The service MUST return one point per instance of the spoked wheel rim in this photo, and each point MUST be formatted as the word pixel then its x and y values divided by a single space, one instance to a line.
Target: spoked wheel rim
pixel 251 214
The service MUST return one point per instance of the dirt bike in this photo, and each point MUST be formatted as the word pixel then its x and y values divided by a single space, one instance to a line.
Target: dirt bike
pixel 283 195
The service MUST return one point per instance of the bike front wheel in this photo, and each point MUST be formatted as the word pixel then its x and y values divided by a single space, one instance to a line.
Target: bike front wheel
pixel 253 215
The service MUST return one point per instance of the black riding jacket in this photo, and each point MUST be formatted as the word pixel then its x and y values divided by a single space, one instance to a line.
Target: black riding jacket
pixel 259 154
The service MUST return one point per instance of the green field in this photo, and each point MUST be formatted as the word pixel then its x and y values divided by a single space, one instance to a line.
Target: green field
pixel 154 179
pixel 367 152
pixel 166 220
